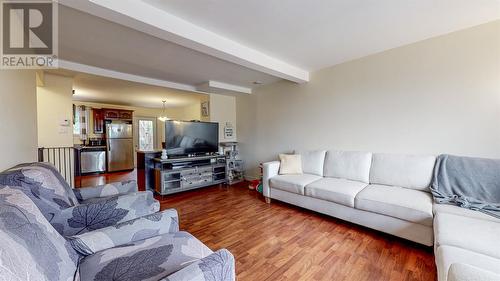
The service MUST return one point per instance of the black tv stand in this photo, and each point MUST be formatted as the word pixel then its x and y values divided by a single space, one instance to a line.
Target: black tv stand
pixel 179 174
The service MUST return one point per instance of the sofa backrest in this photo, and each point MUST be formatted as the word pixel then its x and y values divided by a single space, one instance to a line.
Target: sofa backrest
pixel 43 184
pixel 351 165
pixel 409 171
pixel 312 161
pixel 31 248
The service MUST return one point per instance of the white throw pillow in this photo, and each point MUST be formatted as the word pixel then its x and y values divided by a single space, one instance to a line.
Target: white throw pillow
pixel 290 164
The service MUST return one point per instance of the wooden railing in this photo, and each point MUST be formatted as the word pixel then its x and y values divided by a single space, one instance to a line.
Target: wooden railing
pixel 63 158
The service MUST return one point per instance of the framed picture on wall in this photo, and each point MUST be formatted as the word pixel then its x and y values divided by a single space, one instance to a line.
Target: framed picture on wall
pixel 205 109
pixel 228 131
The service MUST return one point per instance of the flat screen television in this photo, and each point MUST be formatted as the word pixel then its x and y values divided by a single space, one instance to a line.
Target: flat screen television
pixel 185 137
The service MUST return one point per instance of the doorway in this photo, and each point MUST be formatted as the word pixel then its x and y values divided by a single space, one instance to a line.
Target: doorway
pixel 146 133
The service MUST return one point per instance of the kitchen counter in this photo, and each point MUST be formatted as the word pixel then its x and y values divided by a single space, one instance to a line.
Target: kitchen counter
pixel 145 168
pixel 148 151
pixel 82 154
pixel 90 148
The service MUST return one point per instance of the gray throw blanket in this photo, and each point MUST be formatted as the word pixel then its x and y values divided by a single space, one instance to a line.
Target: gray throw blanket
pixel 472 183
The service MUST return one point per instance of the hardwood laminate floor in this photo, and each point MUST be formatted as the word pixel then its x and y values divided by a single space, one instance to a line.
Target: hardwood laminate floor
pixel 104 178
pixel 283 242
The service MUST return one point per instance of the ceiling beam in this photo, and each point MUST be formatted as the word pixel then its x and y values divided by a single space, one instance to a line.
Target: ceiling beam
pixel 88 69
pixel 217 87
pixel 156 22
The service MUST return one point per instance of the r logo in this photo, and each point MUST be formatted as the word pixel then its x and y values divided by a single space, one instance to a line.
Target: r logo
pixel 27 28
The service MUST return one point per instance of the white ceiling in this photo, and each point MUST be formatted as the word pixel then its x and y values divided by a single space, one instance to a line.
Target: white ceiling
pixel 186 43
pixel 90 40
pixel 314 34
pixel 93 88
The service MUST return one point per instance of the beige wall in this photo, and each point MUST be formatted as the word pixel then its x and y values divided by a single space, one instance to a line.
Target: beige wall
pixel 190 112
pixel 223 110
pixel 441 95
pixel 18 141
pixel 54 106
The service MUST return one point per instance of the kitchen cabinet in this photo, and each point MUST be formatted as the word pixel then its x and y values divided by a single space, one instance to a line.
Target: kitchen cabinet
pixel 125 114
pixel 111 113
pixel 98 121
pixel 117 114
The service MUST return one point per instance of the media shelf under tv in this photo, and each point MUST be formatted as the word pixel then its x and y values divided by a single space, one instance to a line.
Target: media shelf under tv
pixel 186 173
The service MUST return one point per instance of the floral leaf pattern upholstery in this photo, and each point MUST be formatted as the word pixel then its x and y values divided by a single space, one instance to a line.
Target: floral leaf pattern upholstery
pixel 139 266
pixel 96 215
pixel 42 185
pixel 27 240
pixel 158 216
pixel 185 249
pixel 97 207
pixel 218 266
pixel 105 212
pixel 50 177
pixel 106 190
pixel 126 232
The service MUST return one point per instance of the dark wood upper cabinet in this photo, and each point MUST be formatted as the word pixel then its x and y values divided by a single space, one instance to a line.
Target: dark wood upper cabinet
pixel 117 114
pixel 98 121
pixel 111 113
pixel 125 114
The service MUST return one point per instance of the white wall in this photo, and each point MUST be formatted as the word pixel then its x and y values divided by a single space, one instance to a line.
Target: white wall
pixel 18 141
pixel 223 110
pixel 54 105
pixel 441 95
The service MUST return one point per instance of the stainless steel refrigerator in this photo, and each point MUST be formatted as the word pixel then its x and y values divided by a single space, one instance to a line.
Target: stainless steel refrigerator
pixel 119 146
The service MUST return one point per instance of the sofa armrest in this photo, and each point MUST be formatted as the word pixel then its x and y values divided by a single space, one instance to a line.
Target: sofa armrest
pixel 218 266
pixel 269 170
pixel 126 232
pixel 104 212
pixel 106 190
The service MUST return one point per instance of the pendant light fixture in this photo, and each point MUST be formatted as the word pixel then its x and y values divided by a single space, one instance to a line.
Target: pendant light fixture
pixel 163 117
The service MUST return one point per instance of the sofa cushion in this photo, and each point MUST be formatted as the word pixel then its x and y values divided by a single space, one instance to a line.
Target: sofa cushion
pixel 313 161
pixel 473 234
pixel 448 255
pixel 459 211
pixel 106 190
pixel 350 165
pixel 149 259
pixel 340 191
pixel 88 243
pixel 465 272
pixel 31 249
pixel 403 203
pixel 290 164
pixel 293 183
pixel 218 266
pixel 94 214
pixel 410 171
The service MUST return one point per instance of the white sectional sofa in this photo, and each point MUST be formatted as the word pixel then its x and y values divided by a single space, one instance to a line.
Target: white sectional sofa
pixel 468 239
pixel 390 193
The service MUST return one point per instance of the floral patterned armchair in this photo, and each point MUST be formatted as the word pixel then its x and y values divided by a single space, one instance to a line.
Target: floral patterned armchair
pixel 141 249
pixel 76 211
